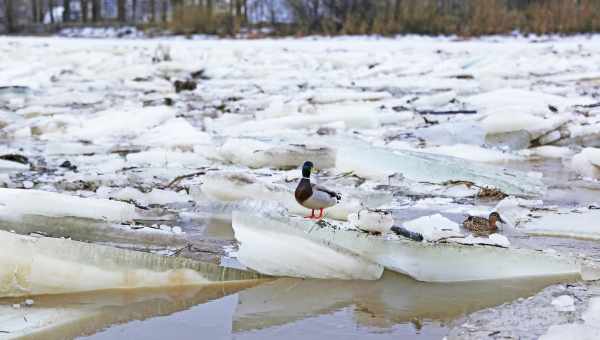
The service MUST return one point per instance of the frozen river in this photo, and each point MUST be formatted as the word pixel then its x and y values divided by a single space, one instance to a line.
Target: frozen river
pixel 149 145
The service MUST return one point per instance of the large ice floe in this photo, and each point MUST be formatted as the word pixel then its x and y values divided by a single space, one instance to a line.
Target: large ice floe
pixel 380 163
pixel 39 265
pixel 277 244
pixel 85 219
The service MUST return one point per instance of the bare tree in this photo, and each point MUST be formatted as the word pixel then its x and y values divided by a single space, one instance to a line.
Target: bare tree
pixel 134 5
pixel 34 11
pixel 67 10
pixel 121 11
pixel 96 10
pixel 84 10
pixel 153 10
pixel 165 8
pixel 9 17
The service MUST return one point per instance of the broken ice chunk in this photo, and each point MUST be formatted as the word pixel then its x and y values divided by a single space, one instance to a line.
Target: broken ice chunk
pixel 372 220
pixel 580 223
pixel 564 303
pixel 33 266
pixel 237 186
pixel 16 202
pixel 85 219
pixel 424 261
pixel 433 227
pixel 271 248
pixel 257 154
pixel 587 163
pixel 380 163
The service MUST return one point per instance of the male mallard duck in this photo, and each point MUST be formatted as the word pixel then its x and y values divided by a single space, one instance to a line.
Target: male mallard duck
pixel 314 196
pixel 482 226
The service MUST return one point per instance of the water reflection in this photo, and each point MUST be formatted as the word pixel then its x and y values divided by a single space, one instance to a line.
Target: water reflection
pixel 395 299
pixel 71 315
pixel 393 306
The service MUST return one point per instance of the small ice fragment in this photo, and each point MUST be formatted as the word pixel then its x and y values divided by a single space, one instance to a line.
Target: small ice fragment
pixel 27 184
pixel 500 240
pixel 177 230
pixel 433 227
pixel 16 306
pixel 564 303
pixel 29 302
pixel 373 220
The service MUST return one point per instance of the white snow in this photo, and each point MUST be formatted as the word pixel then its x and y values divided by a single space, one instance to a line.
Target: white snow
pixel 564 303
pixel 433 227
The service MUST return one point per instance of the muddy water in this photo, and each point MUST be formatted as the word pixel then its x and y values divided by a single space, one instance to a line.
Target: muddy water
pixel 391 308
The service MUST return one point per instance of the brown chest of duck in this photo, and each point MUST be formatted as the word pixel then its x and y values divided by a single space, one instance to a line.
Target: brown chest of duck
pixel 481 226
pixel 313 196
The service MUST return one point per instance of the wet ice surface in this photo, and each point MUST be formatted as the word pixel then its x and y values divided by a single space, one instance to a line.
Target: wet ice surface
pixel 103 119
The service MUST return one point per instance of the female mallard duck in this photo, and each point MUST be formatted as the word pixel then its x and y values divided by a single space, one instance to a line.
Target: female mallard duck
pixel 314 196
pixel 482 226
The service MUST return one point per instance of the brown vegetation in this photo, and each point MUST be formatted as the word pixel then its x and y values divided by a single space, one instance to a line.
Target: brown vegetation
pixel 331 17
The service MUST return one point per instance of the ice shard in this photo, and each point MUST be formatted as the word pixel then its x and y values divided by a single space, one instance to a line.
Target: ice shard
pixel 268 247
pixel 379 163
pixel 35 266
pixel 424 261
pixel 238 186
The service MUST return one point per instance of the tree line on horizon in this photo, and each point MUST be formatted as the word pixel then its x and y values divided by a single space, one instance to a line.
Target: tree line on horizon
pixel 304 17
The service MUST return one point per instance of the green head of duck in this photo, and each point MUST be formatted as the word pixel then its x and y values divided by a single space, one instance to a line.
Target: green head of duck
pixel 307 168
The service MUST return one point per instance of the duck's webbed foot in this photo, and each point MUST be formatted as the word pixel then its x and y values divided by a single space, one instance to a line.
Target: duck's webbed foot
pixel 311 216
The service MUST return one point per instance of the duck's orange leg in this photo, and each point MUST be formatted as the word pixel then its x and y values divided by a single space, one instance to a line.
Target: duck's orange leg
pixel 312 214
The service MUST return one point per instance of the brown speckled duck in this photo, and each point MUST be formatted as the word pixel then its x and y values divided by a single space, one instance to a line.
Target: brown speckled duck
pixel 314 196
pixel 481 226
